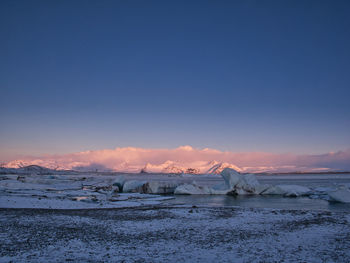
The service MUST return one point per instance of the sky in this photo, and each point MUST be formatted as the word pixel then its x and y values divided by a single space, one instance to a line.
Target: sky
pixel 238 76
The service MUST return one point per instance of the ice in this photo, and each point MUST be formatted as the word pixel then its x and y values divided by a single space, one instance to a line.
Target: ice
pixel 156 187
pixel 220 189
pixel 240 184
pixel 134 186
pixel 98 190
pixel 192 189
pixel 72 192
pixel 231 177
pixel 119 181
pixel 341 195
pixel 288 190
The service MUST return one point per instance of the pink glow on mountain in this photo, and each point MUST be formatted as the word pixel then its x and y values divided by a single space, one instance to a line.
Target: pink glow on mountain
pixel 131 159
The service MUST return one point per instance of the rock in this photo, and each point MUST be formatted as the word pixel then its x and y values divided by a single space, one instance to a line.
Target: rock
pixel 160 187
pixel 21 178
pixel 119 181
pixel 103 187
pixel 115 189
pixel 192 171
pixel 287 190
pixel 88 199
pixel 341 195
pixel 134 186
pixel 191 189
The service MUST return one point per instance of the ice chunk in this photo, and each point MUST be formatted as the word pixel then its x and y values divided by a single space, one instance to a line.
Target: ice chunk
pixel 119 181
pixel 248 183
pixel 160 187
pixel 287 190
pixel 261 188
pixel 220 189
pixel 231 177
pixel 191 189
pixel 240 184
pixel 104 187
pixel 341 195
pixel 134 186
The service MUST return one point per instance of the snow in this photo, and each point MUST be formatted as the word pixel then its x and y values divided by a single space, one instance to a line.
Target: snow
pixel 70 221
pixel 174 234
pixel 217 168
pixel 93 190
pixel 69 192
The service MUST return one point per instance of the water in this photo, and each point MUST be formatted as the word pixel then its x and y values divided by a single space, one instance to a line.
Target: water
pixel 271 202
pixel 312 181
pixel 309 180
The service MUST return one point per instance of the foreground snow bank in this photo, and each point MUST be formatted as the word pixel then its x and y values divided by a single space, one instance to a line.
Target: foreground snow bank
pixel 173 235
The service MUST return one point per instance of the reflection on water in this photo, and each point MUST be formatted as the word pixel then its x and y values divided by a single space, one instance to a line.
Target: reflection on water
pixel 274 202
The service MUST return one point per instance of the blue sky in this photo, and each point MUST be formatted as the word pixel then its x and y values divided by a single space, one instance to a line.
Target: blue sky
pixel 268 76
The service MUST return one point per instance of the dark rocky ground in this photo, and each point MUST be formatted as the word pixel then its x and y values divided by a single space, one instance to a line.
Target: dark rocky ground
pixel 174 234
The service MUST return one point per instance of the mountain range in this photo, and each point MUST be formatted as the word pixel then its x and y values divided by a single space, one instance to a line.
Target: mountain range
pixel 212 167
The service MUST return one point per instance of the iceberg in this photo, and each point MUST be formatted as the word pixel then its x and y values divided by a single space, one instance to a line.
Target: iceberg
pixel 241 184
pixel 192 189
pixel 119 181
pixel 134 186
pixel 155 187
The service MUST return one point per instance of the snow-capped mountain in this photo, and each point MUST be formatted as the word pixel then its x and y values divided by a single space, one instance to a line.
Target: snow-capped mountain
pixel 212 167
pixel 199 167
pixel 217 168
pixel 166 167
pixel 39 163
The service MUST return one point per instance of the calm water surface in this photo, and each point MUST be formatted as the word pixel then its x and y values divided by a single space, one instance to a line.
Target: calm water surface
pixel 274 202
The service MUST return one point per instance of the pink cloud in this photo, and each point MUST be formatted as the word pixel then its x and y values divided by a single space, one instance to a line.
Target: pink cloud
pixel 130 159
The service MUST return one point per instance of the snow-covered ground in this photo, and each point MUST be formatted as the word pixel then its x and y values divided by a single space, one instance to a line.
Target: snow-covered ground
pixel 68 192
pixel 174 234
